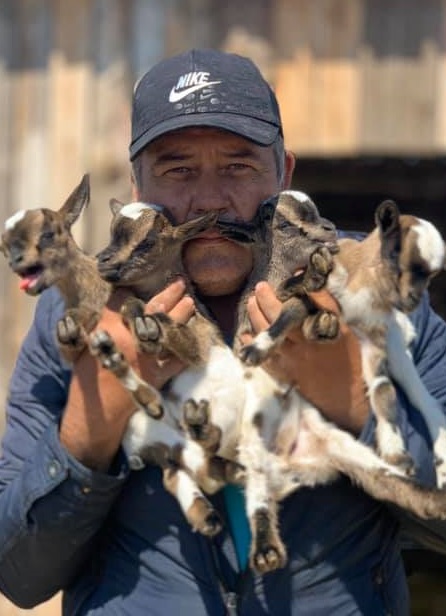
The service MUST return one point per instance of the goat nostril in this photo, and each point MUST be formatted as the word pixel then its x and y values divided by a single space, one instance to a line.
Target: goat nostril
pixel 16 259
pixel 102 258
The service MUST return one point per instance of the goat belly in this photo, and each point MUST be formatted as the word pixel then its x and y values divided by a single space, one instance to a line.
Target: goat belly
pixel 221 383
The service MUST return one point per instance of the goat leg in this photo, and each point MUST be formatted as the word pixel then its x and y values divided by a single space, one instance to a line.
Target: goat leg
pixel 144 395
pixel 339 451
pixel 197 423
pixel 293 313
pixel 72 329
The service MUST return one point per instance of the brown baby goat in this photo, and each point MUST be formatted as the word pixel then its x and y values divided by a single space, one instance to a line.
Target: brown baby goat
pixel 41 250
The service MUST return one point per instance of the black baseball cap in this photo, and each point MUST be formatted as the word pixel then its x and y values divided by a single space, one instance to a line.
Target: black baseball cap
pixel 204 87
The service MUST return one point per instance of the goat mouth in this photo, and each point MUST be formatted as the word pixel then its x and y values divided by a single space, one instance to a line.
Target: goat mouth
pixel 242 232
pixel 111 275
pixel 31 279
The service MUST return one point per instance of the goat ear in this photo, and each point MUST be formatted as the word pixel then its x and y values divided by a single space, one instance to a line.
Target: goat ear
pixel 160 222
pixel 76 202
pixel 387 216
pixel 115 206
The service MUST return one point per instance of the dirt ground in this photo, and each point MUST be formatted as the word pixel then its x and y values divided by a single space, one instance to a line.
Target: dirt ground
pixel 50 608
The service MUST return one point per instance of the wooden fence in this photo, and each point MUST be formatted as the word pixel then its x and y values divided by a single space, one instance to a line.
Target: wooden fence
pixel 353 77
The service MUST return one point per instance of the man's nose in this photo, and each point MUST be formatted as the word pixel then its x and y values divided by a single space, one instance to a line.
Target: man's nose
pixel 209 195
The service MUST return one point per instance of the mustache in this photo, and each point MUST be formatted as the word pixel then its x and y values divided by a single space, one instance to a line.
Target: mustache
pixel 254 230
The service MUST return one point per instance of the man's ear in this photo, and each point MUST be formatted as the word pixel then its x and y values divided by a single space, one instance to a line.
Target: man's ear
pixel 135 191
pixel 288 169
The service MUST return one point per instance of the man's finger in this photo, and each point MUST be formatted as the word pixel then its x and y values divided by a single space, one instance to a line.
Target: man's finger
pixel 183 310
pixel 168 298
pixel 267 301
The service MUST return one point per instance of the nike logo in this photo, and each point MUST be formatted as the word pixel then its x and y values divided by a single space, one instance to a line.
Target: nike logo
pixel 189 83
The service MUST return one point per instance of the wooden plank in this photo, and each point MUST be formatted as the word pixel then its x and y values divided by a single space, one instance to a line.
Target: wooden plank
pixel 320 105
pixel 107 158
pixel 70 83
pixel 440 97
pixel 6 44
pixel 318 81
pixel 28 168
pixel 327 28
pixel 399 103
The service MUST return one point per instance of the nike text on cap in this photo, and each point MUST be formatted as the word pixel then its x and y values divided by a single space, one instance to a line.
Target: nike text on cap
pixel 204 87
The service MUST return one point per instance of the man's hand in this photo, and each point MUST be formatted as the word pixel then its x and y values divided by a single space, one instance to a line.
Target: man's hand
pixel 98 407
pixel 328 374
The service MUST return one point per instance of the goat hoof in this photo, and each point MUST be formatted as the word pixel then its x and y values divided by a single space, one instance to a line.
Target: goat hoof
pixel 101 342
pixel 204 518
pixel 145 398
pixel 235 473
pixel 322 261
pixel 250 355
pixel 197 423
pixel 147 329
pixel 268 558
pixel 135 462
pixel 327 325
pixel 155 410
pixel 196 415
pixel 268 551
pixel 212 524
pixel 402 461
pixel 68 331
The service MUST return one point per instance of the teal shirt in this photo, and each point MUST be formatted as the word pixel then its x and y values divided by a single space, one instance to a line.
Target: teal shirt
pixel 238 522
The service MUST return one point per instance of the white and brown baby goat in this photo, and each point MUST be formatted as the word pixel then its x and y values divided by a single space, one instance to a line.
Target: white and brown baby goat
pixel 377 282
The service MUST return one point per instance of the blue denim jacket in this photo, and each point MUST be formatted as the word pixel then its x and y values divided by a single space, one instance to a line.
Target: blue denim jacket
pixel 118 543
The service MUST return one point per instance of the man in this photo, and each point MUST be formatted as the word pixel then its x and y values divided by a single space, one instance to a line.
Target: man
pixel 206 134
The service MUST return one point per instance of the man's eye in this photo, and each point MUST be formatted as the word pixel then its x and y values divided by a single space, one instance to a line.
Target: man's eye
pixel 179 170
pixel 237 166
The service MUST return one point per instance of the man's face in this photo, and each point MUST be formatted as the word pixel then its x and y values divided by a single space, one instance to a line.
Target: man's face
pixel 195 170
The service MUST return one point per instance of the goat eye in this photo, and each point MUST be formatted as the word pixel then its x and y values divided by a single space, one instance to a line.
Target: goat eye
pixel 418 271
pixel 283 225
pixel 47 237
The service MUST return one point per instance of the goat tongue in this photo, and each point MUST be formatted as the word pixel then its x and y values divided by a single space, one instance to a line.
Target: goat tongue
pixel 27 281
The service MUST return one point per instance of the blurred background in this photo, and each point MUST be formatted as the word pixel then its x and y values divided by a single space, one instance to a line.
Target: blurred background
pixel 362 88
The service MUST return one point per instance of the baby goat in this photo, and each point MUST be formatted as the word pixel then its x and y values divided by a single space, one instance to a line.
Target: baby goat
pixel 378 281
pixel 276 417
pixel 145 251
pixel 41 250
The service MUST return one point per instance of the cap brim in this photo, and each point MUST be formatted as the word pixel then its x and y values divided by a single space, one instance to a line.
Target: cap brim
pixel 258 131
